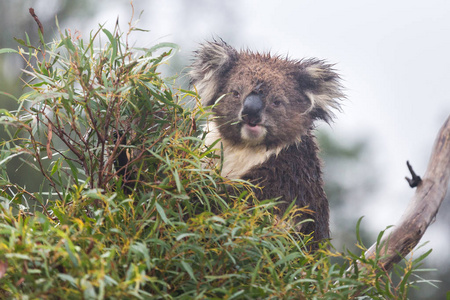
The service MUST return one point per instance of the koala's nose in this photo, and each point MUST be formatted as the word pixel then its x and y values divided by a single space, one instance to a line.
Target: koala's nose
pixel 253 107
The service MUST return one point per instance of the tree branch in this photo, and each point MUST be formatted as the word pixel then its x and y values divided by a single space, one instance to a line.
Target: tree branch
pixel 423 207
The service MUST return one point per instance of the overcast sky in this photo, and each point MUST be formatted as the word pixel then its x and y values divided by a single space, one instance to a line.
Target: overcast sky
pixel 394 57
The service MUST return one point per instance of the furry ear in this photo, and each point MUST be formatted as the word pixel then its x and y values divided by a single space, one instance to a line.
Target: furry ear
pixel 212 61
pixel 321 84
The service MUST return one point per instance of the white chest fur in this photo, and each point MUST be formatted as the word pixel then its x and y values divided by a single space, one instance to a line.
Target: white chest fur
pixel 237 160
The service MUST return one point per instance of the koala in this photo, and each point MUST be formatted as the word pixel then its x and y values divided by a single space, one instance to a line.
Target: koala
pixel 264 117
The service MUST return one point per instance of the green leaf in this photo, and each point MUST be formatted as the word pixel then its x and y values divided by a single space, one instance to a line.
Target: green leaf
pixel 74 171
pixel 422 257
pixel 189 270
pixel 8 95
pixel 11 156
pixel 8 50
pixel 70 248
pixel 18 256
pixel 160 46
pixel 288 258
pixel 67 42
pixel 113 45
pixel 56 166
pixel 162 213
pixel 21 42
pixel 68 278
pixel 184 235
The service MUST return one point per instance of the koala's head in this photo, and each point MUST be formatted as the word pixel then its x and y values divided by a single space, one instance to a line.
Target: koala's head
pixel 263 100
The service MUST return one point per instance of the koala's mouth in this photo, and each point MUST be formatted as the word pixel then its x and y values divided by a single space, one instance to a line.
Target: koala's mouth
pixel 253 132
pixel 252 124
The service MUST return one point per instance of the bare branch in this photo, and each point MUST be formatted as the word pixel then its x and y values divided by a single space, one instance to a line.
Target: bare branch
pixel 424 206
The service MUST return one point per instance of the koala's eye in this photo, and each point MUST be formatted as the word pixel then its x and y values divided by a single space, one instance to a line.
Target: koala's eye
pixel 236 94
pixel 276 103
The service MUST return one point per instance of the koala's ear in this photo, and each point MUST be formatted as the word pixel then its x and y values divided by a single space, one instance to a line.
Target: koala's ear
pixel 212 61
pixel 321 84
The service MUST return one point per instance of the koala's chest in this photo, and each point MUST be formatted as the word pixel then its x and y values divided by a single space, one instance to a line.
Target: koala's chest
pixel 237 160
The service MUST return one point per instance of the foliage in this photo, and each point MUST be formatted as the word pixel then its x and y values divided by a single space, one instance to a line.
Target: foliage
pixel 127 208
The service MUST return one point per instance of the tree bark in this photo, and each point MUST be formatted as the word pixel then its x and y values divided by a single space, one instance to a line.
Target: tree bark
pixel 423 207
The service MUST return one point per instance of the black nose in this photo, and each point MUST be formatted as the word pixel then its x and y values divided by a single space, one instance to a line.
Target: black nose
pixel 253 107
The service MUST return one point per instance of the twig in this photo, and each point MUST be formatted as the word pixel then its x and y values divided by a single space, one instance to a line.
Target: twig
pixel 415 180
